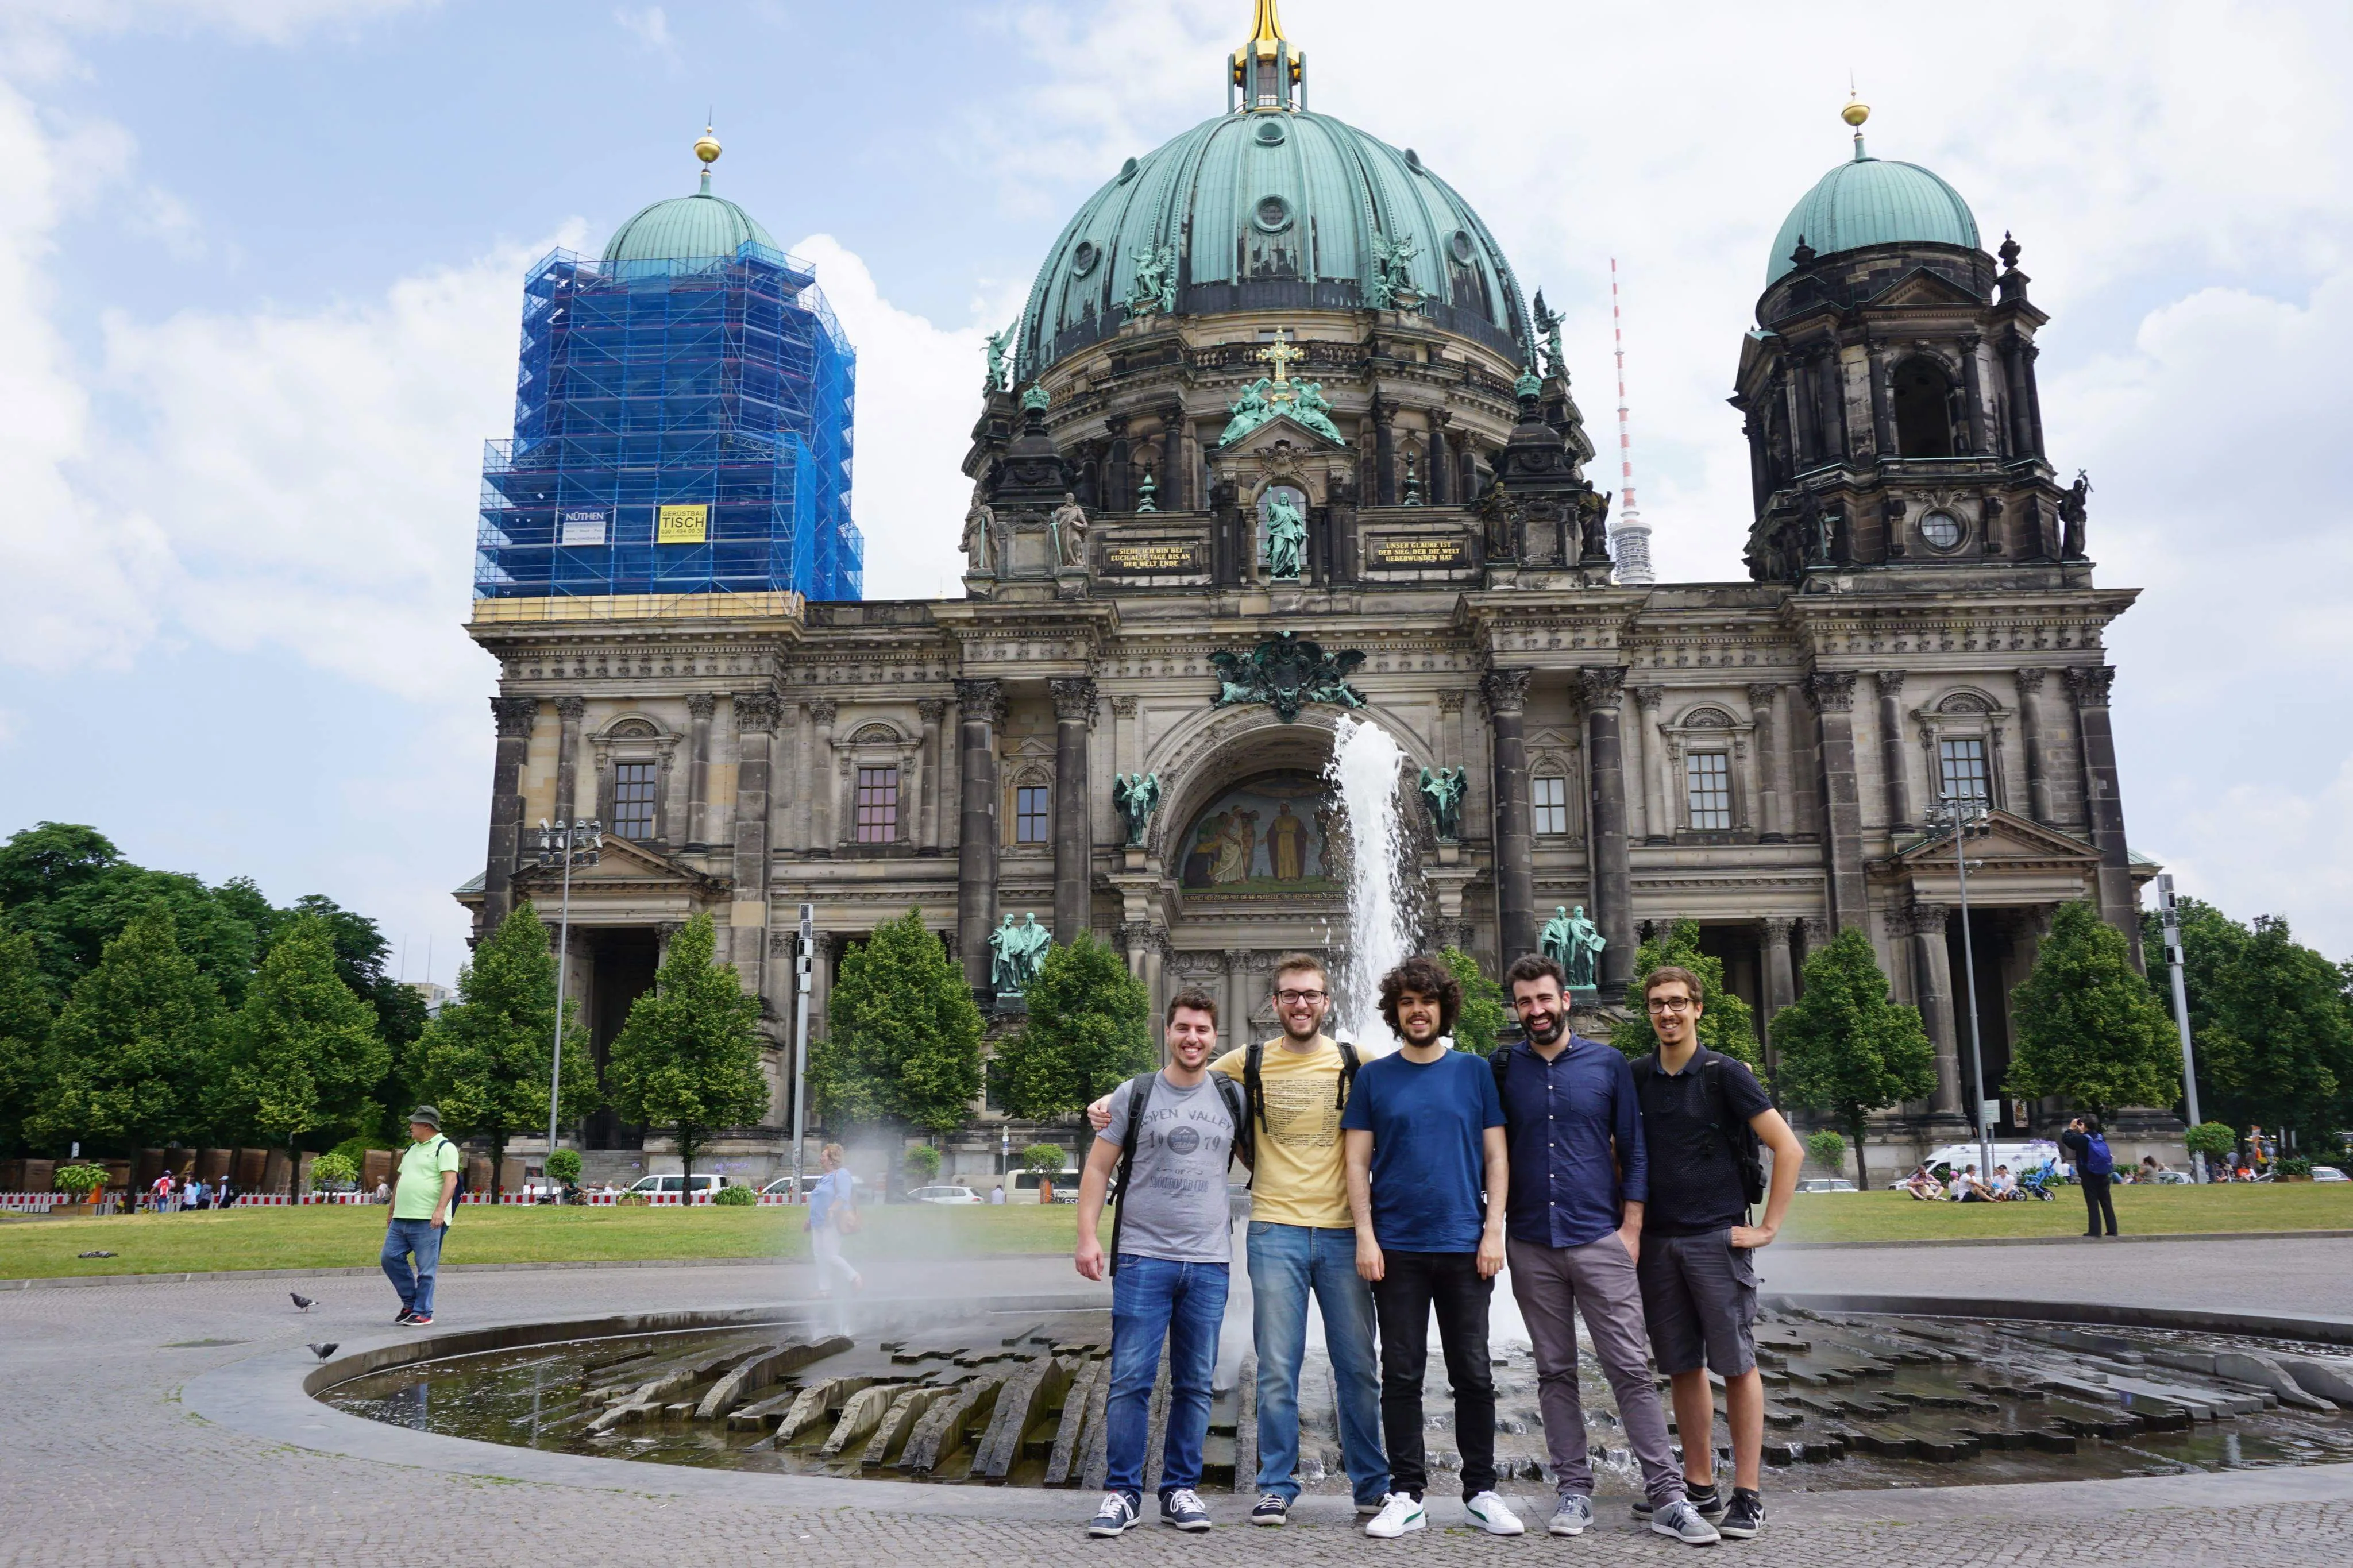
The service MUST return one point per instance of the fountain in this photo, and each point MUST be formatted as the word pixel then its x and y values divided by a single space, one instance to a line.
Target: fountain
pixel 1366 773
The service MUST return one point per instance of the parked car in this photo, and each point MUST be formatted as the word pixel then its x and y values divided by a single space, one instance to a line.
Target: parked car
pixel 2328 1173
pixel 1825 1185
pixel 943 1195
pixel 783 1185
pixel 676 1184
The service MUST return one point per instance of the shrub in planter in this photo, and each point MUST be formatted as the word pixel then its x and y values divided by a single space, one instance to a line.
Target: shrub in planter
pixel 82 1180
pixel 2294 1168
pixel 735 1197
pixel 632 1200
pixel 2215 1140
pixel 1828 1149
pixel 564 1165
pixel 331 1171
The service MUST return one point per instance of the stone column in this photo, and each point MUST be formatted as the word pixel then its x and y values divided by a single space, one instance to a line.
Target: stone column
pixel 755 727
pixel 1506 692
pixel 1385 450
pixel 1980 437
pixel 699 706
pixel 1891 750
pixel 821 950
pixel 2022 415
pixel 982 706
pixel 818 781
pixel 931 710
pixel 1172 459
pixel 1238 996
pixel 514 717
pixel 1877 366
pixel 1441 460
pixel 1646 752
pixel 1074 849
pixel 1772 764
pixel 1613 874
pixel 1932 986
pixel 2103 801
pixel 1781 977
pixel 1126 744
pixel 1831 692
pixel 569 712
pixel 1833 384
pixel 2030 730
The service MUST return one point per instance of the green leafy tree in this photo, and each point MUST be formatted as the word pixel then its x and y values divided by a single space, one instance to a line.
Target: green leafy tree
pixel 903 1035
pixel 923 1162
pixel 564 1166
pixel 2087 1027
pixel 1845 1049
pixel 303 1053
pixel 2215 1140
pixel 689 1059
pixel 1727 1024
pixel 332 1169
pixel 1482 1017
pixel 135 1054
pixel 70 889
pixel 2274 1043
pixel 1828 1149
pixel 485 1061
pixel 1090 1026
pixel 24 1020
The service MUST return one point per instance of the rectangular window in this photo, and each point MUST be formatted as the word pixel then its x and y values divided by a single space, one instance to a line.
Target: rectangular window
pixel 1552 804
pixel 1707 782
pixel 1963 765
pixel 877 806
pixel 1029 815
pixel 633 800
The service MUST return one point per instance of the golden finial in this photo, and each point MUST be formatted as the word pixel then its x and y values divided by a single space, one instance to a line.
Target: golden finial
pixel 706 146
pixel 1855 113
pixel 1267 27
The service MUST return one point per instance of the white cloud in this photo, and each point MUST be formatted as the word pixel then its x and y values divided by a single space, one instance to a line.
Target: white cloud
pixel 649 25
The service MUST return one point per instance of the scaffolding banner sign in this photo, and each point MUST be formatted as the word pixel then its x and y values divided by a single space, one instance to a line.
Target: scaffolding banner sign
pixel 683 525
pixel 583 526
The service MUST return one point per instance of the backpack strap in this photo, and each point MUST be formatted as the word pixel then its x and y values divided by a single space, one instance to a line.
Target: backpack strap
pixel 1244 1145
pixel 1348 1064
pixel 1254 1078
pixel 1139 1090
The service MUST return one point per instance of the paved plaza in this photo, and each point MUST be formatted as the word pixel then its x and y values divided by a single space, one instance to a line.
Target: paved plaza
pixel 156 1422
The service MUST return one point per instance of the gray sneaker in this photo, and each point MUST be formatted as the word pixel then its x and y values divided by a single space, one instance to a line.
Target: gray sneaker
pixel 1684 1521
pixel 1575 1512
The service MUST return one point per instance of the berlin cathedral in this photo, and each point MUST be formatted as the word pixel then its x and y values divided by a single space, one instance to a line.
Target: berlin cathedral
pixel 1278 439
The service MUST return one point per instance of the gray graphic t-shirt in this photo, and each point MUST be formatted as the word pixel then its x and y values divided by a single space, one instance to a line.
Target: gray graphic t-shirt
pixel 1175 1207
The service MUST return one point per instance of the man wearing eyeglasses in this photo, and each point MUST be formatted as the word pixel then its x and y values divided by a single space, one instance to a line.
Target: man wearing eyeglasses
pixel 1704 1118
pixel 1303 1242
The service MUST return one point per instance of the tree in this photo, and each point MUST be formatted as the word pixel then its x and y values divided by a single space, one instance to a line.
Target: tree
pixel 69 887
pixel 2087 1026
pixel 1727 1024
pixel 689 1058
pixel 485 1061
pixel 135 1052
pixel 332 1169
pixel 1090 1026
pixel 2215 1140
pixel 1482 1017
pixel 2269 1016
pixel 903 1035
pixel 1045 1159
pixel 1845 1049
pixel 923 1161
pixel 25 1023
pixel 303 1052
pixel 1828 1148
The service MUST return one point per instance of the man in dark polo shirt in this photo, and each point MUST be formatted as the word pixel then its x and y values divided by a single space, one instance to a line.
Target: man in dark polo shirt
pixel 1703 1115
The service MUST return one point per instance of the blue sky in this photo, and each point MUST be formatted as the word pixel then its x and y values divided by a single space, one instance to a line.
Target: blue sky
pixel 261 264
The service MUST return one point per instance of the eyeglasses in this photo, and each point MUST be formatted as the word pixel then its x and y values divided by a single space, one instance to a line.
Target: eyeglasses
pixel 1669 1003
pixel 1293 998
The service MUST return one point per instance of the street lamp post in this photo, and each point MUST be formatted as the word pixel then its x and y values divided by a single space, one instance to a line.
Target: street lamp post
pixel 800 1038
pixel 577 843
pixel 1964 814
pixel 2181 1011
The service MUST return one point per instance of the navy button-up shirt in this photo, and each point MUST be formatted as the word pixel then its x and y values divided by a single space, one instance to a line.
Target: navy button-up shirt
pixel 1561 1118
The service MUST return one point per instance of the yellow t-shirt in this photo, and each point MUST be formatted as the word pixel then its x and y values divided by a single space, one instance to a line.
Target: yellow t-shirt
pixel 1301 1177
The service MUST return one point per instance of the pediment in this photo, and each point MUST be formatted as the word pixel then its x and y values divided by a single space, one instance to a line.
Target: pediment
pixel 1921 287
pixel 622 863
pixel 2010 841
pixel 1280 427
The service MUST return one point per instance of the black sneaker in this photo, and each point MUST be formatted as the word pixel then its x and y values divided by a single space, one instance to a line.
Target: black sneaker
pixel 1271 1509
pixel 1745 1518
pixel 420 1319
pixel 1117 1517
pixel 402 1316
pixel 1704 1499
pixel 1182 1507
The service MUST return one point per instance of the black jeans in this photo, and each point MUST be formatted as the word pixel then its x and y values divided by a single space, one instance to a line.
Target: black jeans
pixel 2097 1203
pixel 1412 1284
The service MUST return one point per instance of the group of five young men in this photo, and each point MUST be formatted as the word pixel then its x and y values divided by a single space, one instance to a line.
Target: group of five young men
pixel 1395 1188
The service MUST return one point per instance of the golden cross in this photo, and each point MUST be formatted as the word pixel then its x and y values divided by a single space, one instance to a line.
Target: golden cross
pixel 1282 356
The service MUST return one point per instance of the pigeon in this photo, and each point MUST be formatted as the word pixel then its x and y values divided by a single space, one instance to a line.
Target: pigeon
pixel 302 1303
pixel 322 1352
pixel 98 1253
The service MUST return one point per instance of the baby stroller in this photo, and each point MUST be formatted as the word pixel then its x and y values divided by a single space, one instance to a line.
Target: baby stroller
pixel 2038 1182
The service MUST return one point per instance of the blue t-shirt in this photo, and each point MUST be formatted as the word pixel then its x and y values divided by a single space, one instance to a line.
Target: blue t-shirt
pixel 1428 1122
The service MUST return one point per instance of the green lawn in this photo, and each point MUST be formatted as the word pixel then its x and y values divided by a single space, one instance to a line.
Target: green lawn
pixel 343 1236
pixel 2241 1207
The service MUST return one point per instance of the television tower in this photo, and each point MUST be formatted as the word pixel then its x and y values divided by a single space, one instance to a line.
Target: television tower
pixel 1631 539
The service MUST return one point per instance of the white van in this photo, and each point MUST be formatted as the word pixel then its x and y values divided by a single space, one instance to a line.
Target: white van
pixel 1025 1186
pixel 674 1185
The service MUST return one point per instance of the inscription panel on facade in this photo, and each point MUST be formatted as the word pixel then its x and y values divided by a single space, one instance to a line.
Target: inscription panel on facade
pixel 1417 553
pixel 1150 558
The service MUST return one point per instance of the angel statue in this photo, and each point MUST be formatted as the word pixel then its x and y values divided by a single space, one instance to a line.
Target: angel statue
pixel 1549 324
pixel 995 350
pixel 1443 790
pixel 1137 796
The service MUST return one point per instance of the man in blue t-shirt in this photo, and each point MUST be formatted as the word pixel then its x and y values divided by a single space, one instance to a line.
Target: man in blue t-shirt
pixel 1424 1145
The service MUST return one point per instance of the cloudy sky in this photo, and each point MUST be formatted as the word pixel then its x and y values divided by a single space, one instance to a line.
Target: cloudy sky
pixel 260 266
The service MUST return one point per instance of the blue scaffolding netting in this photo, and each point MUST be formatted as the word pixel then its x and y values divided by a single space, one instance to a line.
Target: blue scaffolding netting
pixel 682 427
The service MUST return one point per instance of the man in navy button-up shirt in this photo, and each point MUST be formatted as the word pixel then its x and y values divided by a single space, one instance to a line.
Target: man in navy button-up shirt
pixel 1573 1228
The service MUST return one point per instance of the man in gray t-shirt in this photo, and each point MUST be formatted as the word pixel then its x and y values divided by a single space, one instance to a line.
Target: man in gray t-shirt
pixel 1168 1278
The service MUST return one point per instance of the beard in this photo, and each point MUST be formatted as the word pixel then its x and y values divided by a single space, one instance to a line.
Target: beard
pixel 1550 1029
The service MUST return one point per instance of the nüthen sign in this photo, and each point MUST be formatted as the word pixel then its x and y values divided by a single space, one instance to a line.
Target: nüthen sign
pixel 1153 558
pixel 583 526
pixel 1392 553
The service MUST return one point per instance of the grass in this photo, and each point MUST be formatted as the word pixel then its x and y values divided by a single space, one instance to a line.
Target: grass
pixel 2140 1210
pixel 345 1236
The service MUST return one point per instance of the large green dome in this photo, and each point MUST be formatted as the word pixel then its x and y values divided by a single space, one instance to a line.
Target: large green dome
pixel 686 228
pixel 1273 210
pixel 1872 201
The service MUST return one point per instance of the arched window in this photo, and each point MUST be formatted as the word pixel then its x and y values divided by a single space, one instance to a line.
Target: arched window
pixel 1924 417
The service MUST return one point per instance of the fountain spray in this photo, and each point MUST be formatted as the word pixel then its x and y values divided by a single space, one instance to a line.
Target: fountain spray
pixel 1367 772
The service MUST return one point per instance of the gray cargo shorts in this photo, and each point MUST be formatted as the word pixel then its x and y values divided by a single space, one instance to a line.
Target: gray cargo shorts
pixel 1699 1299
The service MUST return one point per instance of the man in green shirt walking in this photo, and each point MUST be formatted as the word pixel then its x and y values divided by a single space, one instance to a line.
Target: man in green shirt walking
pixel 423 1188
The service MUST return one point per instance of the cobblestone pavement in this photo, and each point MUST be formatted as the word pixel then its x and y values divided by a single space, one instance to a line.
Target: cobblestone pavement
pixel 104 1463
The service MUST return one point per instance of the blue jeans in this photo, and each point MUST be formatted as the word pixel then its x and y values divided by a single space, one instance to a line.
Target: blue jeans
pixel 1151 1300
pixel 423 1238
pixel 1287 1262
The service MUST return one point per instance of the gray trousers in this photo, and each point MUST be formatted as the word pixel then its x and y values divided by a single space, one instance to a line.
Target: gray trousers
pixel 1598 1281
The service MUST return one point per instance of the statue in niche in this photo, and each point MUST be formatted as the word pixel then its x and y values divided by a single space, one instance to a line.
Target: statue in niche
pixel 1575 944
pixel 2073 510
pixel 1137 796
pixel 1443 791
pixel 1286 539
pixel 980 538
pixel 1069 526
pixel 1017 952
pixel 1155 289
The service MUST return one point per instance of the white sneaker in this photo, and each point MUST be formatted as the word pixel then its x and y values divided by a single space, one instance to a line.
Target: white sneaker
pixel 1400 1511
pixel 1493 1515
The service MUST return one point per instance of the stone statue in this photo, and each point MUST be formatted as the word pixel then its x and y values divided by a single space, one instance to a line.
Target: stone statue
pixel 1553 941
pixel 1548 323
pixel 1286 539
pixel 1443 791
pixel 1155 288
pixel 980 538
pixel 1311 410
pixel 2073 510
pixel 1137 797
pixel 1585 944
pixel 1390 287
pixel 1068 525
pixel 996 351
pixel 1249 411
pixel 1017 952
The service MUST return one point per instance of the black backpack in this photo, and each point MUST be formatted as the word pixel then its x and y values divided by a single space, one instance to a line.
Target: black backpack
pixel 457 1193
pixel 1254 1081
pixel 1139 1090
pixel 1748 1149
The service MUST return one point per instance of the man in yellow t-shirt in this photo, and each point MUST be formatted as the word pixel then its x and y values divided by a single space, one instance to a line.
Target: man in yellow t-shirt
pixel 424 1189
pixel 1302 1241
